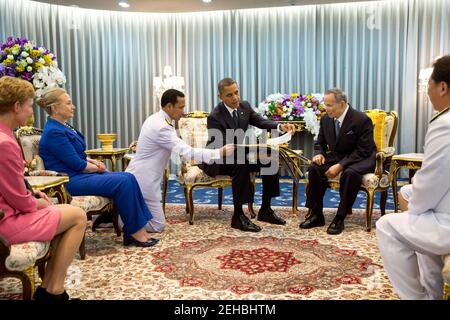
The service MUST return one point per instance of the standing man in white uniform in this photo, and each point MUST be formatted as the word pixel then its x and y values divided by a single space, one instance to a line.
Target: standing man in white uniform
pixel 157 140
pixel 413 242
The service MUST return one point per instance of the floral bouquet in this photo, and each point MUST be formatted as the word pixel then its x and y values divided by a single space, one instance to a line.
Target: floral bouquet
pixel 21 58
pixel 294 107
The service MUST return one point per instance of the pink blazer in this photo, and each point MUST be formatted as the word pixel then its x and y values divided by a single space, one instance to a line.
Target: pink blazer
pixel 22 222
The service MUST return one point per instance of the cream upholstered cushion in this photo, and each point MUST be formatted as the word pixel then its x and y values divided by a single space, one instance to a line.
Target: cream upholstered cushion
pixel 30 147
pixel 194 132
pixel 90 203
pixel 446 269
pixel 194 174
pixel 24 255
pixel 369 180
pixel 389 126
pixel 47 173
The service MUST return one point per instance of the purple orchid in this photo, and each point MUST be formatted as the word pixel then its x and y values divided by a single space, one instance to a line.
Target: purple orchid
pixel 27 76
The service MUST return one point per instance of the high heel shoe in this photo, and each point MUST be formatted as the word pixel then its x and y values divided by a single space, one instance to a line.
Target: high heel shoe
pixel 128 240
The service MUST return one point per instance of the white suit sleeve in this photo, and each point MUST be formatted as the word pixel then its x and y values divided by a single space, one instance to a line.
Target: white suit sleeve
pixel 170 141
pixel 431 182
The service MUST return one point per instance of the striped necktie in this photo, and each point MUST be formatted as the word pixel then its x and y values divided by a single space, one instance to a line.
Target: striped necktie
pixel 337 127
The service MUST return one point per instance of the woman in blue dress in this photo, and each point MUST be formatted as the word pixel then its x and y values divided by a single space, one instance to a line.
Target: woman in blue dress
pixel 63 150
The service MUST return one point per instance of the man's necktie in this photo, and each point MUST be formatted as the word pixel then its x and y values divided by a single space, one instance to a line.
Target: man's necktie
pixel 337 127
pixel 235 119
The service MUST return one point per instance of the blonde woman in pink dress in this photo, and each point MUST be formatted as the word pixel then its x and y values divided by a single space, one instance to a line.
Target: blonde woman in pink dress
pixel 27 218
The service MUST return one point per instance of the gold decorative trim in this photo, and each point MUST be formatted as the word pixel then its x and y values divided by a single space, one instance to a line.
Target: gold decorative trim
pixel 397 158
pixel 100 151
pixel 53 181
pixel 446 291
pixel 196 114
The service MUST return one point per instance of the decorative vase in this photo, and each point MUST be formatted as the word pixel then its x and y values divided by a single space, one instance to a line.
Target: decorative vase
pixel 107 140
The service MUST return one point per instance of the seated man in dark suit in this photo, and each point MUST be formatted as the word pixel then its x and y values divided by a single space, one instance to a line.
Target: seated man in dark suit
pixel 345 145
pixel 227 118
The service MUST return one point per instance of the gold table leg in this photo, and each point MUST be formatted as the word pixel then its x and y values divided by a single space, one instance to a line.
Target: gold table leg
pixel 395 169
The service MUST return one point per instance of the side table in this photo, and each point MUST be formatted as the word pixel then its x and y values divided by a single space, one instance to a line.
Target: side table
pixel 53 186
pixel 113 155
pixel 412 161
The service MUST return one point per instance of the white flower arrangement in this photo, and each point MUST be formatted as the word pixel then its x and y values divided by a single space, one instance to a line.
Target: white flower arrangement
pixel 294 107
pixel 21 58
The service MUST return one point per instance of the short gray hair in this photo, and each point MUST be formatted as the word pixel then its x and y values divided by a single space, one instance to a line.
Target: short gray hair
pixel 339 94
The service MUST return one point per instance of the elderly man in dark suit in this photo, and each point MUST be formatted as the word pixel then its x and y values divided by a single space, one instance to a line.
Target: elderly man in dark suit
pixel 345 146
pixel 228 118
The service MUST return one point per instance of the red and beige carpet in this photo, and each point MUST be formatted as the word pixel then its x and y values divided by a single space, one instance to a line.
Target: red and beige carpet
pixel 210 260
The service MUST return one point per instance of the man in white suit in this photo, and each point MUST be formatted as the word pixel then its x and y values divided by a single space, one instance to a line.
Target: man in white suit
pixel 413 242
pixel 157 140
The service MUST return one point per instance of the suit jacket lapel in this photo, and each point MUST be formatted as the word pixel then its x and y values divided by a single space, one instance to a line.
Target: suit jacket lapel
pixel 331 131
pixel 226 116
pixel 346 124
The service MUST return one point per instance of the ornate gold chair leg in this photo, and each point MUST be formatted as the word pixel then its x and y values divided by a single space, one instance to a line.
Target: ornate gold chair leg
pixel 41 271
pixel 294 197
pixel 369 209
pixel 115 221
pixel 250 205
pixel 394 187
pixel 28 283
pixel 190 204
pixel 219 198
pixel 383 200
pixel 446 291
pixel 165 185
pixel 186 199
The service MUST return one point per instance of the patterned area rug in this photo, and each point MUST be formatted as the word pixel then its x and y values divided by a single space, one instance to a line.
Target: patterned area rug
pixel 331 199
pixel 210 260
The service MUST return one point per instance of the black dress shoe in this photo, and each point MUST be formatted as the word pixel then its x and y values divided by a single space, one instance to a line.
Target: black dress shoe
pixel 268 215
pixel 41 294
pixel 312 221
pixel 243 223
pixel 128 240
pixel 336 227
pixel 38 293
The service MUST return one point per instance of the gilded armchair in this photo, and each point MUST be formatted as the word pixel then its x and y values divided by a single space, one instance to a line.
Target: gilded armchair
pixel 384 131
pixel 20 260
pixel 193 130
pixel 28 138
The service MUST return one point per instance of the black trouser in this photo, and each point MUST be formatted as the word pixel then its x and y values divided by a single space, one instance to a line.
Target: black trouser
pixel 349 185
pixel 241 182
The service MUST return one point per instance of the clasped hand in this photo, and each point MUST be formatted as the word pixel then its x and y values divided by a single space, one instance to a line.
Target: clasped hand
pixel 332 171
pixel 100 165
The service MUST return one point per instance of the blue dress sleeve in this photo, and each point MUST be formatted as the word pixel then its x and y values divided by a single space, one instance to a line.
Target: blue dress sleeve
pixel 63 149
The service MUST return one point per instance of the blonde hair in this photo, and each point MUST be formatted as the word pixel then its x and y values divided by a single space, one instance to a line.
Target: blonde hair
pixel 50 97
pixel 14 90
